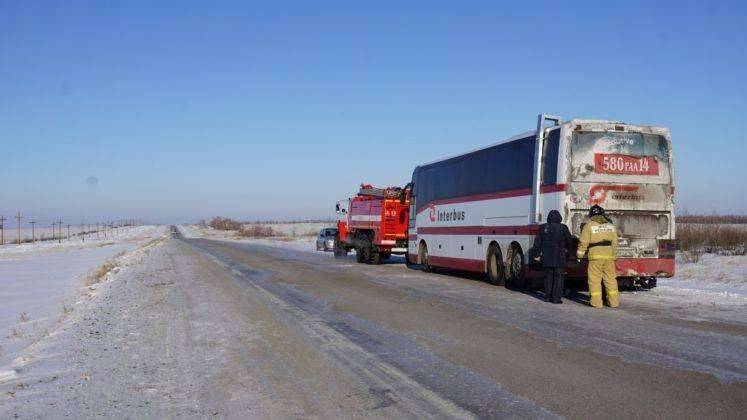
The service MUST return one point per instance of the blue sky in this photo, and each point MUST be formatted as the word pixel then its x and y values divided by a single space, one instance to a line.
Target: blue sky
pixel 259 110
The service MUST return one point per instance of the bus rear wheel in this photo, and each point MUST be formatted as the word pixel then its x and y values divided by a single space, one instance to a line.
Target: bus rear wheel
pixel 516 268
pixel 494 266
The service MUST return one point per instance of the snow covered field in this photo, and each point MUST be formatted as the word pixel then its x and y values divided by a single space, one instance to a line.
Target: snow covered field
pixel 41 283
pixel 10 233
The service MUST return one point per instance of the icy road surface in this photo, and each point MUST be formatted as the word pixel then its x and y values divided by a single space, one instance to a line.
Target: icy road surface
pixel 198 328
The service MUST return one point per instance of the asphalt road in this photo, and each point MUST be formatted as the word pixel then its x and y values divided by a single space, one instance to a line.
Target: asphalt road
pixel 194 328
pixel 338 338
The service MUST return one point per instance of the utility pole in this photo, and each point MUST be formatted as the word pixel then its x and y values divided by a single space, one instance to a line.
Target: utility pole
pixel 18 219
pixel 97 230
pixel 33 237
pixel 68 231
pixel 2 230
pixel 54 232
pixel 59 226
pixel 82 235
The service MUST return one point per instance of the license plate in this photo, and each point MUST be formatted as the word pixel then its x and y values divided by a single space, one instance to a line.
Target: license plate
pixel 605 163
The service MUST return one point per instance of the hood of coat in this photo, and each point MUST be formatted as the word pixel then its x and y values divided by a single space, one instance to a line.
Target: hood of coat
pixel 554 217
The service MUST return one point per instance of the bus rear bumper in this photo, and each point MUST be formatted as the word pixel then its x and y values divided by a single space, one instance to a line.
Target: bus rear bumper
pixel 645 267
pixel 630 268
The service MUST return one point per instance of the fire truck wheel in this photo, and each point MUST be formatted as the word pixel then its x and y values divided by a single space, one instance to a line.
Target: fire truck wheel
pixel 366 254
pixel 373 256
pixel 359 255
pixel 516 268
pixel 495 269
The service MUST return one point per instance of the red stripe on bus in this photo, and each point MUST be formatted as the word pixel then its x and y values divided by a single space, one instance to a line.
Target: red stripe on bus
pixel 545 189
pixel 457 263
pixel 479 230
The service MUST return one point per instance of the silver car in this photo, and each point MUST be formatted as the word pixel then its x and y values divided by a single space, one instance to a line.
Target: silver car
pixel 326 239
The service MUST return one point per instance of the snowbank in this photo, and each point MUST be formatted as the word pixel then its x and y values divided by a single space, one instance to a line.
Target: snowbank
pixel 715 278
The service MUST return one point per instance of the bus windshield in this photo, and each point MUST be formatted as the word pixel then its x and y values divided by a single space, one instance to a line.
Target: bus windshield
pixel 620 157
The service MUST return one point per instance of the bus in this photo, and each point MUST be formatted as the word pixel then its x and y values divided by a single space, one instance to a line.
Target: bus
pixel 479 211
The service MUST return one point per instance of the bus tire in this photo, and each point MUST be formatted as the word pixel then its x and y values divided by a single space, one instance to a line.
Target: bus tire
pixel 423 257
pixel 516 268
pixel 494 267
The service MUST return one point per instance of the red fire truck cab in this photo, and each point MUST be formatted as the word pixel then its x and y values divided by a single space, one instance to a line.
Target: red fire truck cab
pixel 374 223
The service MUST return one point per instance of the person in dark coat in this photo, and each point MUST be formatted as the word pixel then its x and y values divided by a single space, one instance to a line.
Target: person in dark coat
pixel 550 245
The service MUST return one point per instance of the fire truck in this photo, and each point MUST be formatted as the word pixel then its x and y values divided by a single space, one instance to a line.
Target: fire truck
pixel 374 223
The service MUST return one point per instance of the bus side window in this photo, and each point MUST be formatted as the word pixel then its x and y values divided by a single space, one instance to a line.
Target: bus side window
pixel 550 158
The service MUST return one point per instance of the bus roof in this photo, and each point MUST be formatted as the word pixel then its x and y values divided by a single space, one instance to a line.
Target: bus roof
pixel 516 137
pixel 533 132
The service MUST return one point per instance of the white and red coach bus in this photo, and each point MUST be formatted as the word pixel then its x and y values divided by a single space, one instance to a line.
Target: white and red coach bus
pixel 480 211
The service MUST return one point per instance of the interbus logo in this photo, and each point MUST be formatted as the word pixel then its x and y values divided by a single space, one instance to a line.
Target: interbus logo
pixel 451 215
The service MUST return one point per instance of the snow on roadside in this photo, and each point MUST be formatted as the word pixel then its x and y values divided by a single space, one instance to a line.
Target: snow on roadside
pixel 123 234
pixel 41 284
pixel 292 235
pixel 714 279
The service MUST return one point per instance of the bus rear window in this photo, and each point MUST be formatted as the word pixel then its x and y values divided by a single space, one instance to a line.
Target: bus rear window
pixel 610 156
